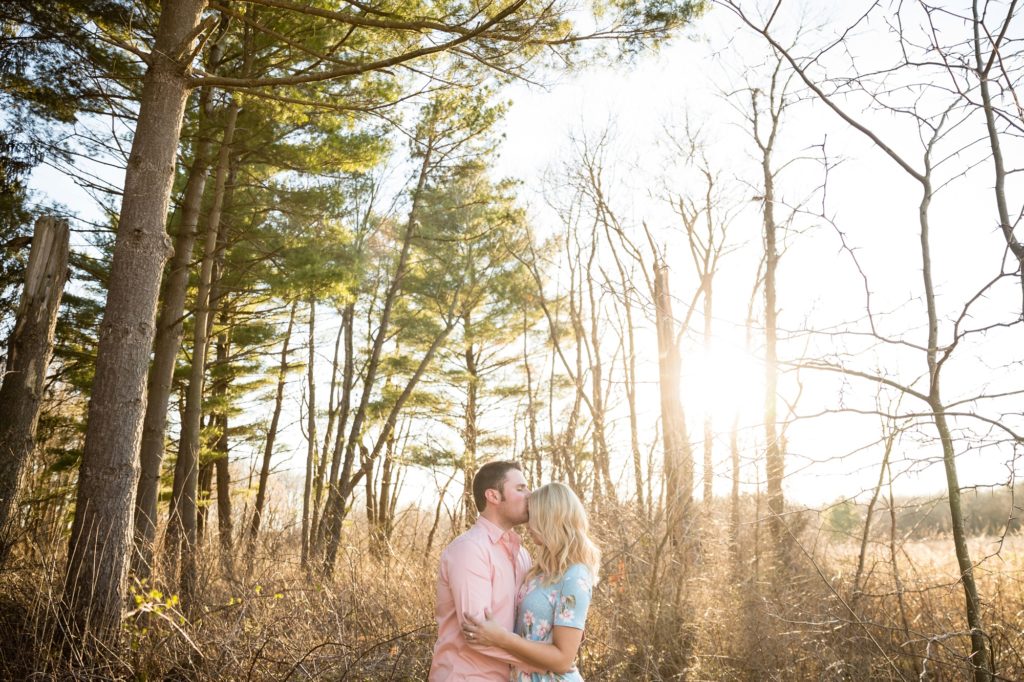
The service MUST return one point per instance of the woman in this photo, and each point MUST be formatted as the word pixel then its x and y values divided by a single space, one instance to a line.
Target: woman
pixel 555 594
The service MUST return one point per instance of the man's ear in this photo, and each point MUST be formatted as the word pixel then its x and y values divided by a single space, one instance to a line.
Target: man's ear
pixel 492 496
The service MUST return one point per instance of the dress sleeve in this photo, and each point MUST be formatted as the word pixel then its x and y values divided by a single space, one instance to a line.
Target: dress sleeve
pixel 574 597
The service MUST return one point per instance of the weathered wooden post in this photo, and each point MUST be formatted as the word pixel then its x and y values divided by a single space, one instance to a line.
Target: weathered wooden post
pixel 28 356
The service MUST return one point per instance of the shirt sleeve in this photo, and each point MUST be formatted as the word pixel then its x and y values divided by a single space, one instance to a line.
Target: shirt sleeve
pixel 574 598
pixel 469 579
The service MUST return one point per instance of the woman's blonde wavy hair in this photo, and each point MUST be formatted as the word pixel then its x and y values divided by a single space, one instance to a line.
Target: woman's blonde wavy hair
pixel 558 518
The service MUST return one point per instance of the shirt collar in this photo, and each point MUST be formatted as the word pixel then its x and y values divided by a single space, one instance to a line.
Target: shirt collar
pixel 494 532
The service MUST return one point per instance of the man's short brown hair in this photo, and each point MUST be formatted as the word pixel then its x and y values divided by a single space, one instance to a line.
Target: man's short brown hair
pixel 491 476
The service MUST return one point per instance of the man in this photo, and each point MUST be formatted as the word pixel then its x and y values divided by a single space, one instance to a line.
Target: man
pixel 482 569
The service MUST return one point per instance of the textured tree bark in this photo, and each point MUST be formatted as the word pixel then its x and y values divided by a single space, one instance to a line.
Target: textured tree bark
pixel 29 350
pixel 101 532
pixel 382 522
pixel 222 379
pixel 169 330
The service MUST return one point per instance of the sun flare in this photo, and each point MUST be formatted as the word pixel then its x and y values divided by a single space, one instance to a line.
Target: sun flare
pixel 723 382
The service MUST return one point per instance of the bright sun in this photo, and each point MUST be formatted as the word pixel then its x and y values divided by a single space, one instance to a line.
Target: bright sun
pixel 723 382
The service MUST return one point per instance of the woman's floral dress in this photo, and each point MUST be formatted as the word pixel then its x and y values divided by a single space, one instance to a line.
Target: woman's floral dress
pixel 541 607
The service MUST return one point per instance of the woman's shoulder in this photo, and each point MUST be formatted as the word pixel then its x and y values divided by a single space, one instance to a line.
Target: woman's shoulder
pixel 578 572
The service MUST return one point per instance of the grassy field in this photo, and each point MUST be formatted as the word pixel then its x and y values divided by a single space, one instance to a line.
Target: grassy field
pixel 705 612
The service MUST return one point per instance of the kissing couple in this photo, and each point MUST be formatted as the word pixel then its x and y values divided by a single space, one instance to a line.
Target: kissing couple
pixel 500 615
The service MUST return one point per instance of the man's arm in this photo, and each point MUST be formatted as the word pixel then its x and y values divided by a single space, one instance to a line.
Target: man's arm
pixel 559 656
pixel 469 579
pixel 575 590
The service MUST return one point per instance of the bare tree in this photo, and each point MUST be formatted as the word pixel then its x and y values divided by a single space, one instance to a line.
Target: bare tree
pixel 934 129
pixel 28 357
pixel 678 450
pixel 774 457
pixel 991 69
pixel 705 220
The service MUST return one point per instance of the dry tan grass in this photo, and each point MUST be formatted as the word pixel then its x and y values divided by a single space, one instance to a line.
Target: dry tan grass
pixel 699 614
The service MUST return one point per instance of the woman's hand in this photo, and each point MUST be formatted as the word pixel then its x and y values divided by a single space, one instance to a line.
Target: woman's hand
pixel 485 632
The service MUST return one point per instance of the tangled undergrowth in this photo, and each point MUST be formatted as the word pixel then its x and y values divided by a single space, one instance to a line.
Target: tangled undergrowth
pixel 714 610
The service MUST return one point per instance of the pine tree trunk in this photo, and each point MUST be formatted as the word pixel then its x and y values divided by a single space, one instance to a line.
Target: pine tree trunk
pixel 321 467
pixel 182 532
pixel 222 378
pixel 169 331
pixel 203 497
pixel 268 448
pixel 334 512
pixel 344 406
pixel 218 464
pixel 307 492
pixel 385 506
pixel 382 521
pixel 225 528
pixel 370 487
pixel 387 430
pixel 99 547
pixel 28 357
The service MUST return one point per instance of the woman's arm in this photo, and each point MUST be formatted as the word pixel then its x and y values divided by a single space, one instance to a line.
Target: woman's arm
pixel 557 657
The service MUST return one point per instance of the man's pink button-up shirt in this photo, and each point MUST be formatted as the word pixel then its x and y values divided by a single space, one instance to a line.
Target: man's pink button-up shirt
pixel 482 568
